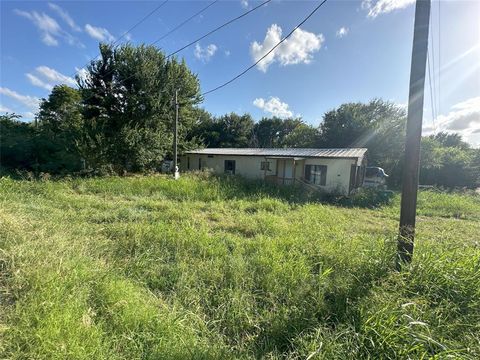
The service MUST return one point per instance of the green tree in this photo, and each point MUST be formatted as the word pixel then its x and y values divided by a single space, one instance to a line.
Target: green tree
pixel 449 162
pixel 17 145
pixel 273 132
pixel 302 136
pixel 450 140
pixel 128 108
pixel 230 130
pixel 60 123
pixel 378 125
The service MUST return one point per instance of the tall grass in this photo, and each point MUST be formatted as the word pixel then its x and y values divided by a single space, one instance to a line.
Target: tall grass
pixel 205 268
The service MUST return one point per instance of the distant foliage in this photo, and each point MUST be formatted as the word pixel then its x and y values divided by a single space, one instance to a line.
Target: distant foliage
pixel 449 162
pixel 26 147
pixel 230 131
pixel 233 130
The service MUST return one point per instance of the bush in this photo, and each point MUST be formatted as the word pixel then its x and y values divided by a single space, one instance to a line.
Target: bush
pixel 366 197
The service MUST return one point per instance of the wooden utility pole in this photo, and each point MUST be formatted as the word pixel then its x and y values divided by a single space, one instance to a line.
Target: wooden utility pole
pixel 175 138
pixel 414 133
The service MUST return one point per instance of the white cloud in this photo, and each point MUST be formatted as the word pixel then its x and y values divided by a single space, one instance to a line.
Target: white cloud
pixel 227 53
pixel 244 4
pixel 299 48
pixel 48 27
pixel 48 77
pixel 38 82
pixel 206 53
pixel 99 33
pixel 342 32
pixel 4 109
pixel 463 118
pixel 28 115
pixel 65 16
pixel 54 76
pixel 378 7
pixel 273 106
pixel 30 101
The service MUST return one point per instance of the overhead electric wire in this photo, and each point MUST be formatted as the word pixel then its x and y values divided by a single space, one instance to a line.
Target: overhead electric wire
pixel 141 21
pixel 126 32
pixel 269 52
pixel 205 35
pixel 218 28
pixel 184 22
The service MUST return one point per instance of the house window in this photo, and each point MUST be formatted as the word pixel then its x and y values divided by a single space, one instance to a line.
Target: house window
pixel 265 165
pixel 188 162
pixel 316 174
pixel 230 167
pixel 199 163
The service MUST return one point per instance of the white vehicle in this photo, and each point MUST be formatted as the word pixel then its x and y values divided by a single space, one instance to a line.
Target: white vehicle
pixel 374 177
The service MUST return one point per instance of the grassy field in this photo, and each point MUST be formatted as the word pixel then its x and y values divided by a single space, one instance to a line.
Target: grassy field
pixel 205 268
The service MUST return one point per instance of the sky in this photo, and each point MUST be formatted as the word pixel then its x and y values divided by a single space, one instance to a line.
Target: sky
pixel 348 51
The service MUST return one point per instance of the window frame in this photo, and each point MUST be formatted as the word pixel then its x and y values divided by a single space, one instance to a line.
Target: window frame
pixel 319 174
pixel 262 165
pixel 233 167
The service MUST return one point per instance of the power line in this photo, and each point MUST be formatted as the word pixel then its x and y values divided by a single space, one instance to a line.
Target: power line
pixel 125 33
pixel 269 52
pixel 205 35
pixel 184 22
pixel 218 28
pixel 142 20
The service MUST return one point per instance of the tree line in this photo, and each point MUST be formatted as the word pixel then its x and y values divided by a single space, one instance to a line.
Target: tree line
pixel 120 119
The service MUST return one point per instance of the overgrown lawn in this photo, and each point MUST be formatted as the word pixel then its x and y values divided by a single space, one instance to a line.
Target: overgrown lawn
pixel 207 268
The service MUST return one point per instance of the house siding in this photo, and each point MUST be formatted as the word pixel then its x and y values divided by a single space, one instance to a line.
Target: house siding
pixel 246 166
pixel 337 179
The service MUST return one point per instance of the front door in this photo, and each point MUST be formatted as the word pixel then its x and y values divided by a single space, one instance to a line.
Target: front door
pixel 288 169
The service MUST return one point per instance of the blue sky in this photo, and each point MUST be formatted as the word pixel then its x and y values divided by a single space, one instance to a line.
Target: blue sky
pixel 348 51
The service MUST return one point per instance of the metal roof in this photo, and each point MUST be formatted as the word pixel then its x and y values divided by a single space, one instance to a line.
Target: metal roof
pixel 285 152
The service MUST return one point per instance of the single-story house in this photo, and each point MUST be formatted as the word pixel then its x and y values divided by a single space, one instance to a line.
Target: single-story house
pixel 333 170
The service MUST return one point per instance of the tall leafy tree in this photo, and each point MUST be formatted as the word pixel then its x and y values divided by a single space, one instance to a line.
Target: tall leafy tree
pixel 302 136
pixel 273 132
pixel 17 143
pixel 268 132
pixel 230 130
pixel 128 108
pixel 449 162
pixel 378 125
pixel 450 140
pixel 61 122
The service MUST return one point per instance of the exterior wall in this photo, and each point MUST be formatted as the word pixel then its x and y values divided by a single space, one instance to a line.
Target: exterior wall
pixel 337 179
pixel 338 173
pixel 246 166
